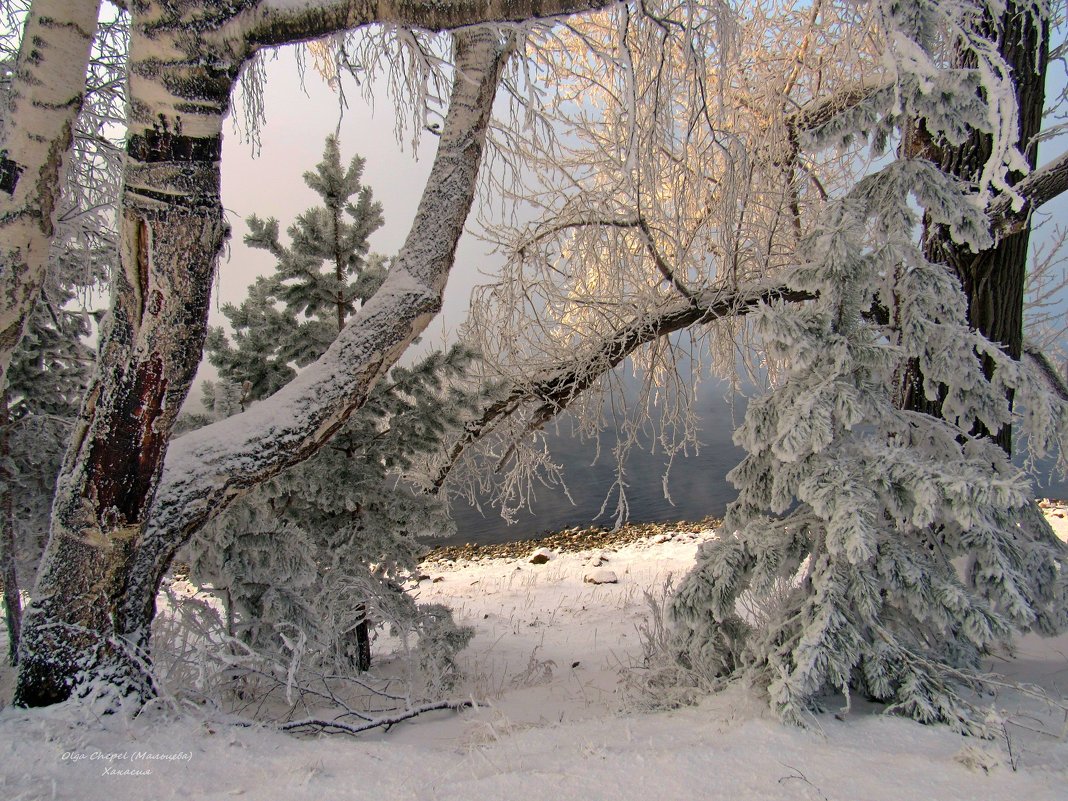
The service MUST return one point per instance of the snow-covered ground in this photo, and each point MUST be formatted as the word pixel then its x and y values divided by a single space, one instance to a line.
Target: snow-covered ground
pixel 551 667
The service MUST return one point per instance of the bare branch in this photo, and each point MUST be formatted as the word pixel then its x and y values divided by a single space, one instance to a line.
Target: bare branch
pixel 337 726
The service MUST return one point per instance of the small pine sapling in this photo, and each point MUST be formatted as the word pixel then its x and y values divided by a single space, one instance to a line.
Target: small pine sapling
pixel 325 547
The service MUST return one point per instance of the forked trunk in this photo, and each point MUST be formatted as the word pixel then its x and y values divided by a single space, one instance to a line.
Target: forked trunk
pixel 95 595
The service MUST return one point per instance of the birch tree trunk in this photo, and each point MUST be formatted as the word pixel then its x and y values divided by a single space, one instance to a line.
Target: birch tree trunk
pixel 8 557
pixel 45 98
pixel 94 597
pixel 171 229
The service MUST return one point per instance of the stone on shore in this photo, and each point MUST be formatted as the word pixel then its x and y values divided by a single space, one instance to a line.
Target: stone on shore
pixel 601 575
pixel 541 556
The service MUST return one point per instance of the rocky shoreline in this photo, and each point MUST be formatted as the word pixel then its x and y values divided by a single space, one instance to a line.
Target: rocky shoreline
pixel 577 538
pixel 588 538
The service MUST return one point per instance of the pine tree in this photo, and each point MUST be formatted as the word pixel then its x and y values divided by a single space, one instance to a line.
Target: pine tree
pixel 900 546
pixel 313 555
pixel 292 316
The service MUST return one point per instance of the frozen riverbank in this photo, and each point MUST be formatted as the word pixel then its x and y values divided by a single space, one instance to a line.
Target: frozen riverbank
pixel 550 666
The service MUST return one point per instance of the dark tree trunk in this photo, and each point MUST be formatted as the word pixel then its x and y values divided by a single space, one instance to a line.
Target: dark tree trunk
pixel 994 279
pixel 358 645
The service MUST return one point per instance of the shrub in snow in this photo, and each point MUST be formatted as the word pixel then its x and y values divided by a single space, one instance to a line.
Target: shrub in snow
pixel 908 543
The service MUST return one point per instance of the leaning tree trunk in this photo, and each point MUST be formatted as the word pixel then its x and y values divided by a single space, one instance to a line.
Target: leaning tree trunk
pixel 171 229
pixel 45 97
pixel 94 598
pixel 993 280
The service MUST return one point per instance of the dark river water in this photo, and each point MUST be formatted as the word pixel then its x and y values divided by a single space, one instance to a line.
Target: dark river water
pixel 698 483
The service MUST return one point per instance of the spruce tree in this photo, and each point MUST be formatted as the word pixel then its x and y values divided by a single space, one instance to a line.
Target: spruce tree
pixel 888 549
pixel 314 554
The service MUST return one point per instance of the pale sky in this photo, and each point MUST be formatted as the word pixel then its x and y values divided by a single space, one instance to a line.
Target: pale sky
pixel 270 183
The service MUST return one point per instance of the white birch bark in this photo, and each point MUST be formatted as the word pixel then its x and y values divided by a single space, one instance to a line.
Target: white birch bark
pixel 98 578
pixel 45 98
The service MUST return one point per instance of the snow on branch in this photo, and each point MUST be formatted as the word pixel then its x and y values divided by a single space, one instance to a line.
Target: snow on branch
pixel 270 23
pixel 1037 189
pixel 1052 378
pixel 209 468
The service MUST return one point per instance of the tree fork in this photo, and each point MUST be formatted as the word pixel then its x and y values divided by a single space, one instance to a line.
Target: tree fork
pixel 95 594
pixel 372 340
pixel 113 465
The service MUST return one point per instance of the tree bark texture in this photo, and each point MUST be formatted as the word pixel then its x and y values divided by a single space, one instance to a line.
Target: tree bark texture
pixel 8 559
pixel 994 279
pixel 45 98
pixel 94 598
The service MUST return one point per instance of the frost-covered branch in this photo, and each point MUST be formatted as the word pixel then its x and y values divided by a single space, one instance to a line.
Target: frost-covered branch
pixel 552 393
pixel 1050 375
pixel 1037 189
pixel 207 469
pixel 270 23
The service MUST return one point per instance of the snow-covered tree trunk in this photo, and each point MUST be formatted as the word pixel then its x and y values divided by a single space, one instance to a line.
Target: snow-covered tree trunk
pixel 45 98
pixel 209 468
pixel 101 570
pixel 171 229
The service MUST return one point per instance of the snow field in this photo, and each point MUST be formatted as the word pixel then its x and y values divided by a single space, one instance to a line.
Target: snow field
pixel 548 728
